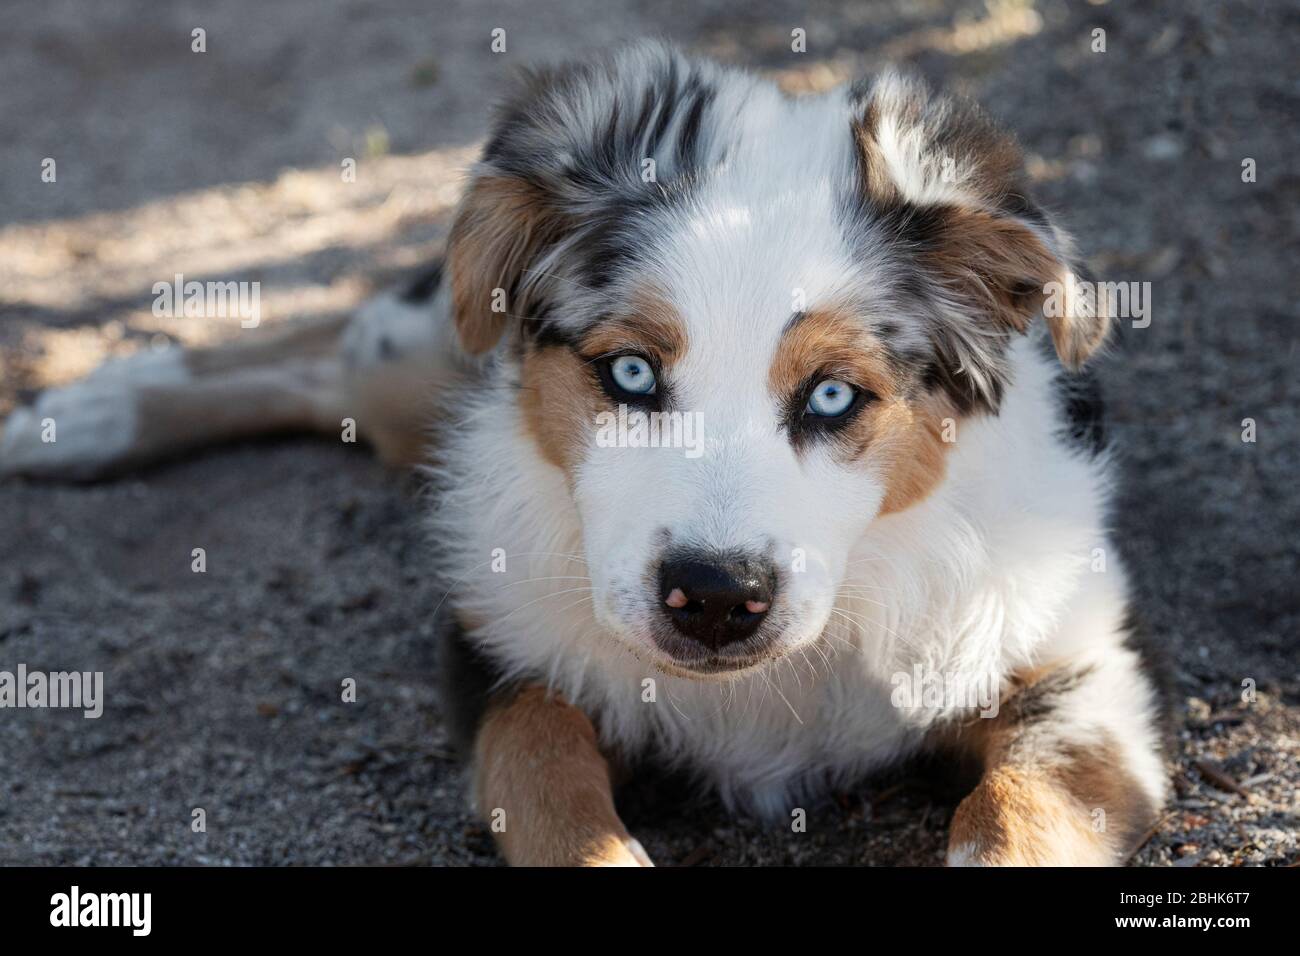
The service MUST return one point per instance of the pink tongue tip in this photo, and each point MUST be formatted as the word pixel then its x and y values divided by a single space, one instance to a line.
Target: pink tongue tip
pixel 675 598
pixel 756 607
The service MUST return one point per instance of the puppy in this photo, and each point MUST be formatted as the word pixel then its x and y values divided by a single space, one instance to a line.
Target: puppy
pixel 762 451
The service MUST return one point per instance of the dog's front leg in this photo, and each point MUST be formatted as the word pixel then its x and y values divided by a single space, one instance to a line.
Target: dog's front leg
pixel 544 786
pixel 1072 769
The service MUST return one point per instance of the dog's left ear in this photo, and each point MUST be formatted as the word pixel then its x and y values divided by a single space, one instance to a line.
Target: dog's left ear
pixel 1015 273
pixel 948 185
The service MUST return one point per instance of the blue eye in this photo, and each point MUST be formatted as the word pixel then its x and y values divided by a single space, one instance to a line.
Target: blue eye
pixel 632 374
pixel 830 399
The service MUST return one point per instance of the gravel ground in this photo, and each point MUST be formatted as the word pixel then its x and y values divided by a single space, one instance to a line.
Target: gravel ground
pixel 223 687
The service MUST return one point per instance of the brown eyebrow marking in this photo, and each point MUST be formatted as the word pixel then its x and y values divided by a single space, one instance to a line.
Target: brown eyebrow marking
pixel 835 341
pixel 651 325
pixel 902 430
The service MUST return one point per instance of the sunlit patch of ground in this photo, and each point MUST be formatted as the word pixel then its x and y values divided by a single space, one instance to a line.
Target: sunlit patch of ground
pixel 80 290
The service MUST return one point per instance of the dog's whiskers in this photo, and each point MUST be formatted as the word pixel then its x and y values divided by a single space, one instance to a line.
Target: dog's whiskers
pixel 866 625
pixel 552 577
pixel 520 554
pixel 528 604
pixel 772 685
pixel 859 597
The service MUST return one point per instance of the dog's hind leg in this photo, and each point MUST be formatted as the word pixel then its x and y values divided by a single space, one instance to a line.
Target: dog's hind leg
pixel 370 376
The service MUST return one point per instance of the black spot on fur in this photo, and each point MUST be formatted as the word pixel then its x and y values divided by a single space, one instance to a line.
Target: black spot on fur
pixel 469 683
pixel 1022 207
pixel 647 110
pixel 1042 700
pixel 947 373
pixel 690 132
pixel 917 228
pixel 551 335
pixel 666 87
pixel 1083 409
pixel 1080 403
pixel 932 377
pixel 610 247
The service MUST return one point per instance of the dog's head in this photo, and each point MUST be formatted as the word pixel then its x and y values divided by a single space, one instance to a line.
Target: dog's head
pixel 739 323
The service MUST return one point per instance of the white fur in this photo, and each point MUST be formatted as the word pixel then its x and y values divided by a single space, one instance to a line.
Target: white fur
pixel 915 167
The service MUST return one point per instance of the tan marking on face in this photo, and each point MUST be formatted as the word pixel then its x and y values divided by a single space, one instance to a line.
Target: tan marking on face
pixel 1025 813
pixel 910 439
pixel 537 760
pixel 835 342
pixel 900 431
pixel 560 400
pixel 561 394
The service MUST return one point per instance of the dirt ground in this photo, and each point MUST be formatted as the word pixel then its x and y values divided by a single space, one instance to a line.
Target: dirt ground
pixel 223 687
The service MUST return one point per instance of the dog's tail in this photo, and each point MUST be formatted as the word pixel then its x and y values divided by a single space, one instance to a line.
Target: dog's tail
pixel 368 378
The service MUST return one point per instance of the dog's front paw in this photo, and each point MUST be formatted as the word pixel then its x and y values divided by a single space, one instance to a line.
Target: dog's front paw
pixel 611 850
pixel 574 849
pixel 626 851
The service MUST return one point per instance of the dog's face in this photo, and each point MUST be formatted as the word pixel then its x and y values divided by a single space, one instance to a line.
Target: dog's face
pixel 781 430
pixel 743 359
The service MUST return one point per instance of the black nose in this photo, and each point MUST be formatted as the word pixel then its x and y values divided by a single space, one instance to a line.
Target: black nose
pixel 716 601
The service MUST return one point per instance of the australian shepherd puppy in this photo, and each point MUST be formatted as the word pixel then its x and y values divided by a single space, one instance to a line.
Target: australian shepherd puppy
pixel 763 452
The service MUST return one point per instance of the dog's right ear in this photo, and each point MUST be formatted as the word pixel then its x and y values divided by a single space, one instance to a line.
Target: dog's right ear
pixel 509 216
pixel 515 210
pixel 503 224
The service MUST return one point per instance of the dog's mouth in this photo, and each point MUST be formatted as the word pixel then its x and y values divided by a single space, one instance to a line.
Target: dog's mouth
pixel 712 667
pixel 684 658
